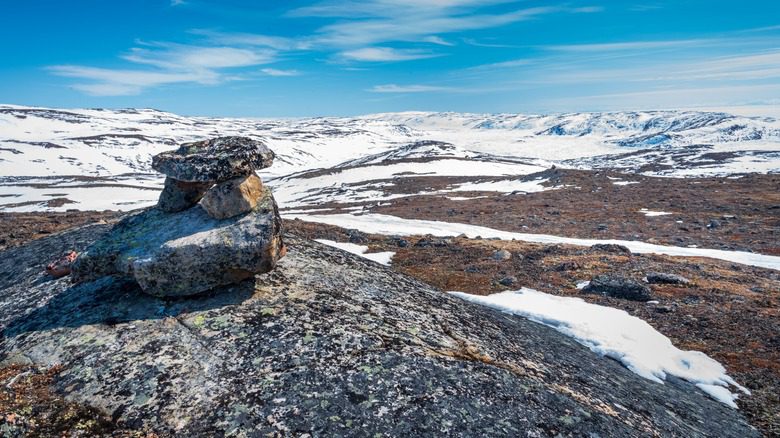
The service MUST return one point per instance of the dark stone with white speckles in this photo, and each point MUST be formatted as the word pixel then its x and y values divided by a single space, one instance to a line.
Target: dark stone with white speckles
pixel 215 160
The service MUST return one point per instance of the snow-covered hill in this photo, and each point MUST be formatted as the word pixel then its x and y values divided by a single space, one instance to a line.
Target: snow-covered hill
pixel 101 158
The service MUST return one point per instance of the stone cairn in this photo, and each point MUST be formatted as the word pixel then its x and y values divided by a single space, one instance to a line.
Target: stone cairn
pixel 214 224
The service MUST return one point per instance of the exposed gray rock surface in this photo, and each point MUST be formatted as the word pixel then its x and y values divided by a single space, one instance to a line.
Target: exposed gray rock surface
pixel 611 248
pixel 331 345
pixel 178 195
pixel 666 278
pixel 215 160
pixel 618 287
pixel 233 197
pixel 502 255
pixel 186 253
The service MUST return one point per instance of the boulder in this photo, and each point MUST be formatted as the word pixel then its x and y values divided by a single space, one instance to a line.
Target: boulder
pixel 428 242
pixel 611 248
pixel 569 265
pixel 178 195
pixel 618 287
pixel 664 278
pixel 215 160
pixel 326 344
pixel 502 255
pixel 186 253
pixel 357 237
pixel 233 197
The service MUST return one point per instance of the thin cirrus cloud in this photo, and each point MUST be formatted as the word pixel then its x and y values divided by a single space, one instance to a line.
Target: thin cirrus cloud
pixel 279 72
pixel 417 27
pixel 173 64
pixel 385 54
pixel 353 32
pixel 115 82
pixel 255 40
pixel 393 88
pixel 725 69
pixel 176 56
pixel 388 8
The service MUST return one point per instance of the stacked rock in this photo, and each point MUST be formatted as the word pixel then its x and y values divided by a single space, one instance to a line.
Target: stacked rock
pixel 215 223
pixel 228 162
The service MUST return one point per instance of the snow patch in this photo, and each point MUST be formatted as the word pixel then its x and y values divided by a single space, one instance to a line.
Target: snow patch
pixel 391 225
pixel 616 334
pixel 650 213
pixel 383 258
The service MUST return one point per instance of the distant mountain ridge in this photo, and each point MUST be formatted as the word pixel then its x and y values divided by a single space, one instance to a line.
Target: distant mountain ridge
pixel 117 145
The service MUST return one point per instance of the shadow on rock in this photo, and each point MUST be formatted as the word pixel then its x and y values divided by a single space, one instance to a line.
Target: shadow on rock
pixel 116 300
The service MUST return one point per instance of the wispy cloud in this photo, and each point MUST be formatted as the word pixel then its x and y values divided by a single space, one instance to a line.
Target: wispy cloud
pixel 388 8
pixel 182 57
pixel 671 97
pixel 166 64
pixel 417 27
pixel 385 54
pixel 393 88
pixel 492 45
pixel 433 39
pixel 278 72
pixel 645 7
pixel 504 64
pixel 364 34
pixel 112 82
pixel 255 40
pixel 587 10
pixel 632 45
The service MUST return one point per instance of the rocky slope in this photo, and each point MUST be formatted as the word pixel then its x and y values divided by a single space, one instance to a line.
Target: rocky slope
pixel 328 344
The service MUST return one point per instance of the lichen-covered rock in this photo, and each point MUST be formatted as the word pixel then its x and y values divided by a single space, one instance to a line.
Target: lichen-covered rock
pixel 178 195
pixel 233 197
pixel 611 248
pixel 502 255
pixel 327 344
pixel 187 253
pixel 616 286
pixel 215 160
pixel 666 278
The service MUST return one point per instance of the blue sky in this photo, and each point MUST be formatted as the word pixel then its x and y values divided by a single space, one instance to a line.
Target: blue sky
pixel 309 58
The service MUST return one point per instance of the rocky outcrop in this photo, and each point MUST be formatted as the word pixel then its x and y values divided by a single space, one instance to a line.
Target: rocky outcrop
pixel 327 344
pixel 232 235
pixel 666 278
pixel 186 253
pixel 616 286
